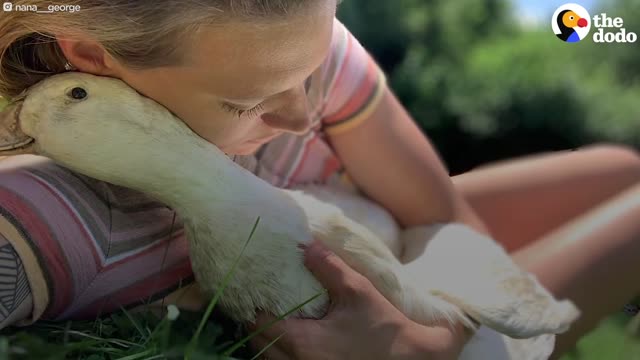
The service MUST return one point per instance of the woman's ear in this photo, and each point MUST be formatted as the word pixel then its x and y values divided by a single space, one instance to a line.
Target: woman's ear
pixel 88 56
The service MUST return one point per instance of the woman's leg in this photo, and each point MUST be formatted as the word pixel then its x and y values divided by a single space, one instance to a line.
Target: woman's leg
pixel 571 219
pixel 522 200
pixel 593 261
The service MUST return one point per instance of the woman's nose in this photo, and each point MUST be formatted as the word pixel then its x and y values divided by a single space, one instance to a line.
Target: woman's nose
pixel 290 111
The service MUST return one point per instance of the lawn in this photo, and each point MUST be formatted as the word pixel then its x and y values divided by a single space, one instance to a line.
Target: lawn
pixel 612 340
pixel 130 336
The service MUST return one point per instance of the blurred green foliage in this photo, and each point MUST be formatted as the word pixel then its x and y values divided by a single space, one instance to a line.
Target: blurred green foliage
pixel 485 88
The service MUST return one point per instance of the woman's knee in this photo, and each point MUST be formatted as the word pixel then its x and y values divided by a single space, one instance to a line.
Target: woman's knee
pixel 613 151
pixel 620 163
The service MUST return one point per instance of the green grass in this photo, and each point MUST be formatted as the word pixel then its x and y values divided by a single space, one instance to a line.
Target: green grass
pixel 612 340
pixel 118 336
pixel 145 335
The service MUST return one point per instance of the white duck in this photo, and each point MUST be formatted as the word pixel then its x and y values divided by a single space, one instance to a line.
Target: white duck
pixel 102 128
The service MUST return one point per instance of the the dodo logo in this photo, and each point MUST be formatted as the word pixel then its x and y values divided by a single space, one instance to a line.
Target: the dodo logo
pixel 571 23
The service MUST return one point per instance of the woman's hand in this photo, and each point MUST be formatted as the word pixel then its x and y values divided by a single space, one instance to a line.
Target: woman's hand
pixel 360 323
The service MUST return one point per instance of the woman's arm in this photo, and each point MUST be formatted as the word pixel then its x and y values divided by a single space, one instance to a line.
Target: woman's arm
pixel 378 143
pixel 392 161
pixel 16 302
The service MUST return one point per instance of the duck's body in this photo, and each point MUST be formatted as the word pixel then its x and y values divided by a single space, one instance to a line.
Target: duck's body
pixel 460 276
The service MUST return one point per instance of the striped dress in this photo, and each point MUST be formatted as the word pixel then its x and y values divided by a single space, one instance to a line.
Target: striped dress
pixel 83 247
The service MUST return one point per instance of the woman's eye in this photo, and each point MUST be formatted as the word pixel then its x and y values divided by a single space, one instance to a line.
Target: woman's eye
pixel 239 113
pixel 78 93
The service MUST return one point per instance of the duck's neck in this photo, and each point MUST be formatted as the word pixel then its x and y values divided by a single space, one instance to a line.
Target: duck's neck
pixel 209 189
pixel 202 180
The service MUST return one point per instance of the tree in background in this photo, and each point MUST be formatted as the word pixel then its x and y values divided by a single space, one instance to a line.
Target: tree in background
pixel 484 88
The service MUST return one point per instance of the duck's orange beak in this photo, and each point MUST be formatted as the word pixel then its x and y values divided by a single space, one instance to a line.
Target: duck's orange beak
pixel 12 140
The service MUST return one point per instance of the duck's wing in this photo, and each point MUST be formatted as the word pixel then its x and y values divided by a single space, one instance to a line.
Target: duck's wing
pixel 473 272
pixel 361 210
pixel 489 344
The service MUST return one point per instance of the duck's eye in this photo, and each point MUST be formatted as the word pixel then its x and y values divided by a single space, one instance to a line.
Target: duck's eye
pixel 78 93
pixel 570 17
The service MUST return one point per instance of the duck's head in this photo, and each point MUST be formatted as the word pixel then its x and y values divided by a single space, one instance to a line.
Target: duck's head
pixel 100 127
pixel 570 19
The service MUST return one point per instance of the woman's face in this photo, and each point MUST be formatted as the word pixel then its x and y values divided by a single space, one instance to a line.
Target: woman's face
pixel 244 83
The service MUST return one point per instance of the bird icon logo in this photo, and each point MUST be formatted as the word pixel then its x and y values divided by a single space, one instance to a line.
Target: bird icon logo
pixel 571 23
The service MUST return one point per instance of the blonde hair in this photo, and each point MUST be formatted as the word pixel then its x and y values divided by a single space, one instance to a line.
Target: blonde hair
pixel 139 34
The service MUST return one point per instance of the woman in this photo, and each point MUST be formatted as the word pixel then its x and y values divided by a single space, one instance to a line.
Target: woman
pixel 283 87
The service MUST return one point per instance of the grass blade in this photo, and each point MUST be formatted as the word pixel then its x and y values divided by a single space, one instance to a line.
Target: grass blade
pixel 119 342
pixel 194 341
pixel 139 355
pixel 266 347
pixel 135 323
pixel 239 344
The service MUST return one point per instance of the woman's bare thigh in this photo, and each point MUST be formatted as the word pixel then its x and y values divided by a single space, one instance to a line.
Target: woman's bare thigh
pixel 522 200
pixel 570 218
pixel 592 260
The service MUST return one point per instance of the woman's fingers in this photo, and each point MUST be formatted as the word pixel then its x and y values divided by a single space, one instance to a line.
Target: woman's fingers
pixel 269 325
pixel 295 336
pixel 288 330
pixel 343 283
